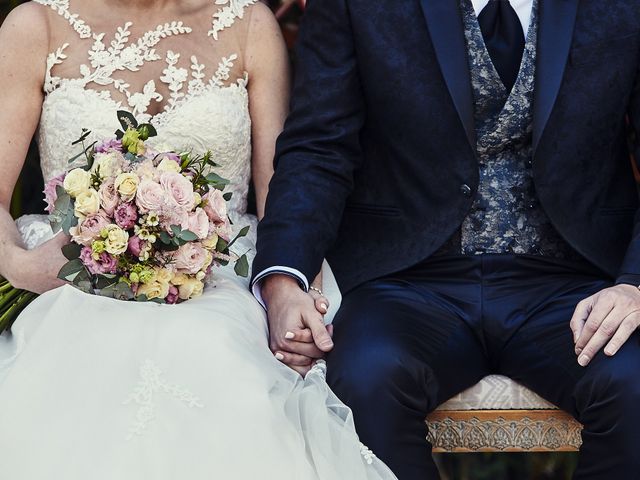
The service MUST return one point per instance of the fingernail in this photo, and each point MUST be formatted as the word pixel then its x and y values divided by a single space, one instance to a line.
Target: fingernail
pixel 289 335
pixel 279 356
pixel 327 344
pixel 609 351
pixel 578 351
pixel 583 360
pixel 324 306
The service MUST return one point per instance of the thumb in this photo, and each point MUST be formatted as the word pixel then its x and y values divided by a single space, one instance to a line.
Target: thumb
pixel 321 337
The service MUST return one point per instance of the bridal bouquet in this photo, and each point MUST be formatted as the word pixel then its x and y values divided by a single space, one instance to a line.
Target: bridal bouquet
pixel 145 225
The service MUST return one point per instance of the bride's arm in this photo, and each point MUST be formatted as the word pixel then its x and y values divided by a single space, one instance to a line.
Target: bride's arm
pixel 269 84
pixel 24 46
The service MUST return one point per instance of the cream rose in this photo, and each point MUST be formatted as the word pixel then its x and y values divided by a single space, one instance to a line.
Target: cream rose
pixel 107 164
pixel 190 288
pixel 168 165
pixel 153 290
pixel 87 203
pixel 76 182
pixel 116 241
pixel 127 185
pixel 211 241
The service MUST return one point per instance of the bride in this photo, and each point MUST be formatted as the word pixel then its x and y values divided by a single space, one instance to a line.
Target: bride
pixel 95 388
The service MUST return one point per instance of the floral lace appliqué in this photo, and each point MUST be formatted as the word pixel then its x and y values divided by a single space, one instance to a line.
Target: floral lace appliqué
pixel 152 383
pixel 226 16
pixel 124 54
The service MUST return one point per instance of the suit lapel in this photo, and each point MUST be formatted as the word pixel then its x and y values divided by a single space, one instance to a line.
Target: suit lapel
pixel 557 20
pixel 444 21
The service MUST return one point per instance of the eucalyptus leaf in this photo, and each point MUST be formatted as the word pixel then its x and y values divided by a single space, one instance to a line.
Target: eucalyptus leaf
pixel 70 270
pixel 83 137
pixel 105 281
pixel 222 245
pixel 176 229
pixel 227 196
pixel 241 233
pixel 71 251
pixel 165 238
pixel 242 266
pixel 216 180
pixel 188 236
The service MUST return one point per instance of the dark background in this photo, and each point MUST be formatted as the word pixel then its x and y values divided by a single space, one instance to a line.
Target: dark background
pixel 480 466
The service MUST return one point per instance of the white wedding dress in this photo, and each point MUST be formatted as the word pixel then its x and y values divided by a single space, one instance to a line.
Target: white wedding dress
pixel 93 388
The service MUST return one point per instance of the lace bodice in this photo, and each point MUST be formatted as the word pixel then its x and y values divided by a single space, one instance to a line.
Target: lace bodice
pixel 185 76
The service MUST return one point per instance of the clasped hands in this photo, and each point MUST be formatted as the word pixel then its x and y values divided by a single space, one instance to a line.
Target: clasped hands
pixel 298 336
pixel 606 319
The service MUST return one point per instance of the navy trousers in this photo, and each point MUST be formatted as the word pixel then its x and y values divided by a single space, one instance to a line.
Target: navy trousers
pixel 408 342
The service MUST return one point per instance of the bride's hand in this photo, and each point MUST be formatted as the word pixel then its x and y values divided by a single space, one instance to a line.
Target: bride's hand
pixel 37 270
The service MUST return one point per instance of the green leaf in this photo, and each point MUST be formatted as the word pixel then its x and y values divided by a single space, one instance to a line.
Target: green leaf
pixel 147 130
pixel 127 120
pixel 63 215
pixel 71 251
pixel 104 281
pixel 119 134
pixel 222 245
pixel 83 137
pixel 165 238
pixel 216 180
pixel 70 270
pixel 188 236
pixel 176 229
pixel 122 291
pixel 227 196
pixel 242 266
pixel 241 233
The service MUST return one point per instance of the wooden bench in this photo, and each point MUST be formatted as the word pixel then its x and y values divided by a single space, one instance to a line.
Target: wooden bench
pixel 499 415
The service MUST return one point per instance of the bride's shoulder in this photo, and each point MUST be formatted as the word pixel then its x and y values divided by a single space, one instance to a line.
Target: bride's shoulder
pixel 26 30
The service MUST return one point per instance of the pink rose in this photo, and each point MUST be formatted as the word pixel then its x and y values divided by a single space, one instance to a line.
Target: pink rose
pixel 136 246
pixel 109 198
pixel 222 229
pixel 89 230
pixel 173 296
pixel 150 196
pixel 179 190
pixel 126 215
pixel 104 264
pixel 50 195
pixel 190 258
pixel 215 205
pixel 198 223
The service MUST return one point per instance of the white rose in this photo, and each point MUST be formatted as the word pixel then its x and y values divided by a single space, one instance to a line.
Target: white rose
pixel 107 164
pixel 76 182
pixel 127 185
pixel 168 165
pixel 87 203
pixel 116 241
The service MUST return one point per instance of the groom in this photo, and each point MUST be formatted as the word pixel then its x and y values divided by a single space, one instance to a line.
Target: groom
pixel 464 167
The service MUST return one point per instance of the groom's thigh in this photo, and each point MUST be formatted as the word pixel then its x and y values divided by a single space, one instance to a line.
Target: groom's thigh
pixel 404 347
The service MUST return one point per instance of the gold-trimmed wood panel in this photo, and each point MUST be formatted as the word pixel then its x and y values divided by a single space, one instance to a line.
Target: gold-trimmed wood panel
pixel 460 431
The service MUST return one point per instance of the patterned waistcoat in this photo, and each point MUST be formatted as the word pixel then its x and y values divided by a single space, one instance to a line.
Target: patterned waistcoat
pixel 506 216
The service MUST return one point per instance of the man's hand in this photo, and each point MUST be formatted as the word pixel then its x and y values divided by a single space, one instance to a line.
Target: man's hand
pixel 297 334
pixel 607 318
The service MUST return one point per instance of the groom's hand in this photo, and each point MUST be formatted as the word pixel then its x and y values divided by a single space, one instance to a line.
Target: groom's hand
pixel 607 318
pixel 297 333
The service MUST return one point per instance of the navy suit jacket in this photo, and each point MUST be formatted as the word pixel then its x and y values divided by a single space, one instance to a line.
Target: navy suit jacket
pixel 377 168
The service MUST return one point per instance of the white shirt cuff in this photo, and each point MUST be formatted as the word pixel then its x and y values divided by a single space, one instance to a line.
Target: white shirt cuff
pixel 256 288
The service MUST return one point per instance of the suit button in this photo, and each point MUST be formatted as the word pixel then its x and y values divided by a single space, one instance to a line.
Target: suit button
pixel 465 190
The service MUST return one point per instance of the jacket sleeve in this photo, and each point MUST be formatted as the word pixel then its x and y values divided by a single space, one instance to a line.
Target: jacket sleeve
pixel 630 270
pixel 319 150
